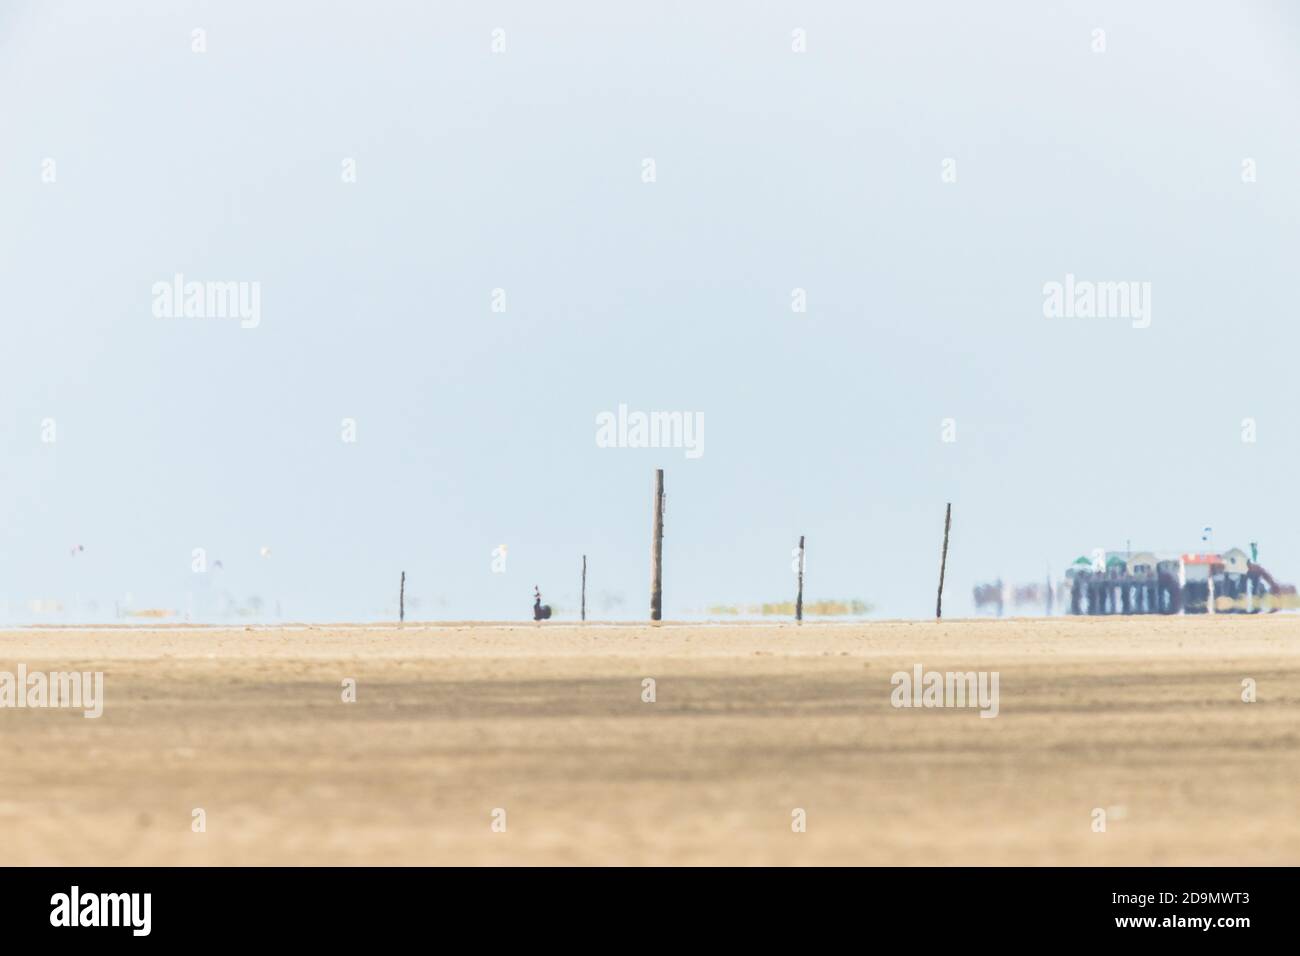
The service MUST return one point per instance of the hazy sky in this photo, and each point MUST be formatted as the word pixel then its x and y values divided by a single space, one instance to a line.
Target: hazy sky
pixel 522 170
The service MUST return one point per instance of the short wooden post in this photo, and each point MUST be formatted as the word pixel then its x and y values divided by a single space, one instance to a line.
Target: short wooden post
pixel 798 601
pixel 943 561
pixel 401 599
pixel 584 587
pixel 657 550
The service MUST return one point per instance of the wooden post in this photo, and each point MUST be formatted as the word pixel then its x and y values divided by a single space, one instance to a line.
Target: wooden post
pixel 798 601
pixel 943 561
pixel 657 550
pixel 401 599
pixel 584 587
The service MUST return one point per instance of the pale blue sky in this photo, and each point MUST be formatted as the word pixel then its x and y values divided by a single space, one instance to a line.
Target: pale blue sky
pixel 522 170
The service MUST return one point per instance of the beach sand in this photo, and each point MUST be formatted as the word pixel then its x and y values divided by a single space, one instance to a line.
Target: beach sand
pixel 1140 717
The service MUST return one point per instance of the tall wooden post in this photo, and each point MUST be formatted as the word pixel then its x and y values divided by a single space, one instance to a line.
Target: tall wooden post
pixel 943 561
pixel 401 599
pixel 657 550
pixel 584 587
pixel 798 601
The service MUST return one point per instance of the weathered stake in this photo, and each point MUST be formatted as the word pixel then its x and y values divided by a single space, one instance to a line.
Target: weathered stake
pixel 584 587
pixel 798 601
pixel 657 550
pixel 401 599
pixel 943 561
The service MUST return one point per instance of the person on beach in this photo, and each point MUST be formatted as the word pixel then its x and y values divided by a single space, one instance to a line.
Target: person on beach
pixel 540 611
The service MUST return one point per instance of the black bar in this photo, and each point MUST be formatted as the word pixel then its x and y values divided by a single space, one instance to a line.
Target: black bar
pixel 958 905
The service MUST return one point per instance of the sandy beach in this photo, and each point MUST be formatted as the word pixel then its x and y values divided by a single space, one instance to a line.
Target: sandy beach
pixel 1141 718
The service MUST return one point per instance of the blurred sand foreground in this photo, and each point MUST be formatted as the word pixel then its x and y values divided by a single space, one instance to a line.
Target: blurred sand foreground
pixel 1141 717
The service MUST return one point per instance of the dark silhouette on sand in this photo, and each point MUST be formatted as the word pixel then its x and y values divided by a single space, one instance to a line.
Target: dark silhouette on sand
pixel 540 611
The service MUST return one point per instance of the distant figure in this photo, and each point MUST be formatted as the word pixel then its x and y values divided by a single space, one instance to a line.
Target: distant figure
pixel 540 611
